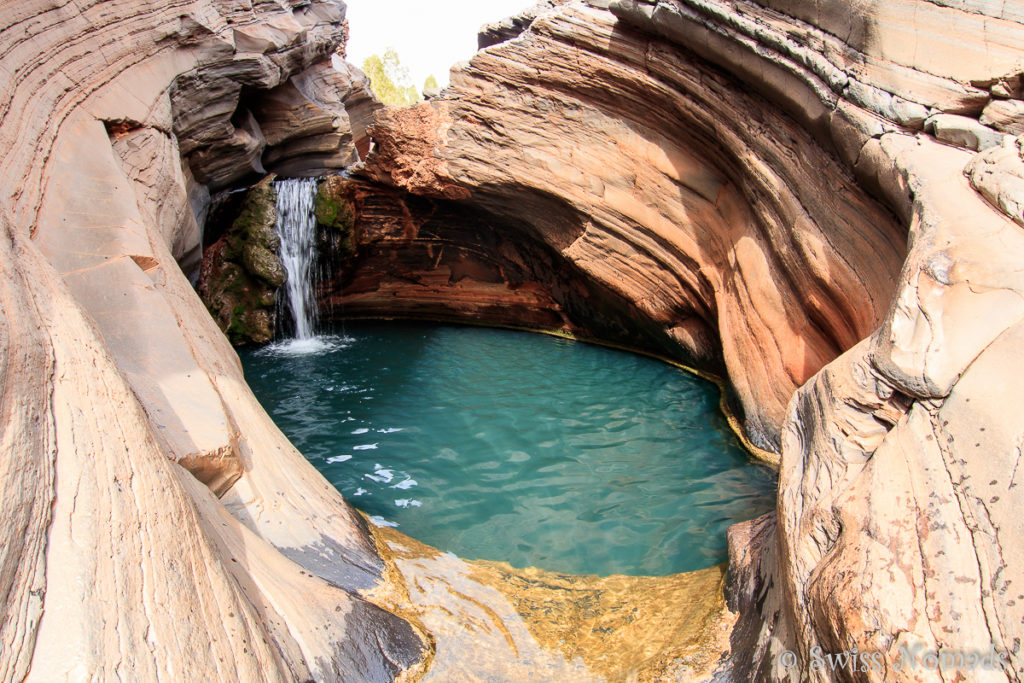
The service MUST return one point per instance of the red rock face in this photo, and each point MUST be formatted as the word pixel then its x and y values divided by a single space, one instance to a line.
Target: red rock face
pixel 405 152
pixel 442 260
pixel 425 259
pixel 736 240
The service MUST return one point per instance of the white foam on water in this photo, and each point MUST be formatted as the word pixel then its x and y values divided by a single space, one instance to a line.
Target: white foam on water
pixel 312 346
pixel 381 475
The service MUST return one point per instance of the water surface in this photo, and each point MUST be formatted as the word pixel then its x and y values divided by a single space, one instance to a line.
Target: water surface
pixel 512 446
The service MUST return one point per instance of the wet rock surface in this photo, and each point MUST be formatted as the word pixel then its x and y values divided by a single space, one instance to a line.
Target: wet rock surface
pixel 241 272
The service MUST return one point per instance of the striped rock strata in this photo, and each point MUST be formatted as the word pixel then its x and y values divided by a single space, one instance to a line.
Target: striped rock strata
pixel 823 200
pixel 157 525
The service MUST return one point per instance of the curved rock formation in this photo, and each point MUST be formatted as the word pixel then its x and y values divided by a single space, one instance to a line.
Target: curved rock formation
pixel 819 198
pixel 157 524
pixel 718 218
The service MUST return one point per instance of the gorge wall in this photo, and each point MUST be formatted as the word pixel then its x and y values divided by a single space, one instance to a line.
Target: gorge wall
pixel 825 200
pixel 717 218
pixel 157 525
pixel 821 201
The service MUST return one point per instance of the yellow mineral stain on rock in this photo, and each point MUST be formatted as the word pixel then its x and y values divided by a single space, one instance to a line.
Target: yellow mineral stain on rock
pixel 492 621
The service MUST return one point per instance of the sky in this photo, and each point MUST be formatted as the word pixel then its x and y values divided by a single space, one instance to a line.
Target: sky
pixel 429 35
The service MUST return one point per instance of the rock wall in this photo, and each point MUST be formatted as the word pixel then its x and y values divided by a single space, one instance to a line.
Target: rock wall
pixel 436 259
pixel 822 198
pixel 719 218
pixel 420 258
pixel 157 524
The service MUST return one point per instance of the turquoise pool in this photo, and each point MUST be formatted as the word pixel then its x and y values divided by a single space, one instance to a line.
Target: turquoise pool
pixel 503 445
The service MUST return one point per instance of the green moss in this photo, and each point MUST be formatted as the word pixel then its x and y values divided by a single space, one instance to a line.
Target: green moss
pixel 240 292
pixel 256 222
pixel 264 264
pixel 335 211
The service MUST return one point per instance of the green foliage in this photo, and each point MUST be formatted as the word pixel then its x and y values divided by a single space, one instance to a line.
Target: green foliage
pixel 430 83
pixel 389 80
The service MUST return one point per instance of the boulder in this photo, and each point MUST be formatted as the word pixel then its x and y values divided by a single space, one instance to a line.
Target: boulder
pixel 963 131
pixel 1004 115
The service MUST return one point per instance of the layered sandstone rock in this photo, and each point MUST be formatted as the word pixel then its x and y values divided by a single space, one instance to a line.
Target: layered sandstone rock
pixel 790 193
pixel 819 198
pixel 511 27
pixel 157 524
pixel 737 241
pixel 269 96
pixel 427 258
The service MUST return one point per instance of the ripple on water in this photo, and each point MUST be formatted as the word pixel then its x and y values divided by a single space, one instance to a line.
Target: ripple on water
pixel 517 447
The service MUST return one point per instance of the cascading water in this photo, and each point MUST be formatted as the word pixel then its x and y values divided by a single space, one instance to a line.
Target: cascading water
pixel 296 226
pixel 297 309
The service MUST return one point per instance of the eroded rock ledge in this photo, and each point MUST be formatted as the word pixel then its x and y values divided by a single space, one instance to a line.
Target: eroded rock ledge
pixel 776 189
pixel 823 199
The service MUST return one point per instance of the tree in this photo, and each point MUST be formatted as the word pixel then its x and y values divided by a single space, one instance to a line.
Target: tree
pixel 430 83
pixel 389 80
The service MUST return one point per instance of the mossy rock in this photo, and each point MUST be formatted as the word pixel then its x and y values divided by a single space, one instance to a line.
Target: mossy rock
pixel 256 221
pixel 245 271
pixel 264 264
pixel 254 326
pixel 335 211
pixel 232 278
pixel 259 215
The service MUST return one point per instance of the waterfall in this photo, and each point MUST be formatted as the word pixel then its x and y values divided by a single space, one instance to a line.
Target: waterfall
pixel 296 226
